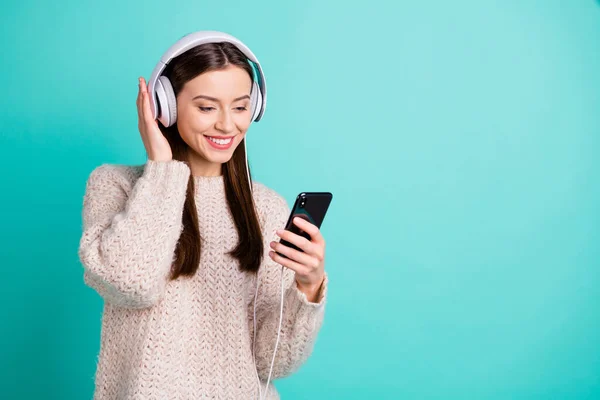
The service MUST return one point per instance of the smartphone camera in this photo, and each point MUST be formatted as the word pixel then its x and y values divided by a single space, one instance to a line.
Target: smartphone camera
pixel 302 202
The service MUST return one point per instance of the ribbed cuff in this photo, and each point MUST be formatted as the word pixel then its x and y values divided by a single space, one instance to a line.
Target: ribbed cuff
pixel 299 300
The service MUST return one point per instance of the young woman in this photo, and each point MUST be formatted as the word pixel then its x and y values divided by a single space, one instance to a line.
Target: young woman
pixel 177 246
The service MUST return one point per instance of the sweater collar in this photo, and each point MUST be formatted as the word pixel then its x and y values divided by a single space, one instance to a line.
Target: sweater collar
pixel 209 183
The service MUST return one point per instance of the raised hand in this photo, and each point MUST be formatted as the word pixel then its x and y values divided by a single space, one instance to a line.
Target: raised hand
pixel 156 143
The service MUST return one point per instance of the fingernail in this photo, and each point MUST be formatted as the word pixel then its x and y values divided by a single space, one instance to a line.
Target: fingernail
pixel 279 231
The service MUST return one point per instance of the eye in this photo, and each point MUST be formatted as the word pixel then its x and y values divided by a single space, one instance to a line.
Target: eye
pixel 206 109
pixel 241 108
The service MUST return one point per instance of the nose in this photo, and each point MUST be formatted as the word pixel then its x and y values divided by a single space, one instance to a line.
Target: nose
pixel 225 122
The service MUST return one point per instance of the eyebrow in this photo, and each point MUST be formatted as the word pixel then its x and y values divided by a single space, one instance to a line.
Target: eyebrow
pixel 201 96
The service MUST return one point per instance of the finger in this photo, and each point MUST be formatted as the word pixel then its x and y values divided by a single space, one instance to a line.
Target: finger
pixel 140 105
pixel 141 124
pixel 143 113
pixel 311 229
pixel 286 262
pixel 138 100
pixel 146 102
pixel 297 240
pixel 293 254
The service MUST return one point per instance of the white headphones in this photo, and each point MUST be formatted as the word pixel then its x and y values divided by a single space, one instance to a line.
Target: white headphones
pixel 162 97
pixel 164 108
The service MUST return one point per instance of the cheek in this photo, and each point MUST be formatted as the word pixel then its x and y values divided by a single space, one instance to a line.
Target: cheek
pixel 243 123
pixel 193 121
pixel 191 131
pixel 200 123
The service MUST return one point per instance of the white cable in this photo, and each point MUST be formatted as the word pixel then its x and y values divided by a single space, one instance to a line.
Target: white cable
pixel 278 334
pixel 276 343
pixel 255 297
pixel 254 340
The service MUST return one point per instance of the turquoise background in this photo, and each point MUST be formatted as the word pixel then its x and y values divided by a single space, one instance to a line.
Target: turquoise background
pixel 460 140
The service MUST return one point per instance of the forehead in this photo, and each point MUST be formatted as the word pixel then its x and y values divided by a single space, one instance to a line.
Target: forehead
pixel 230 82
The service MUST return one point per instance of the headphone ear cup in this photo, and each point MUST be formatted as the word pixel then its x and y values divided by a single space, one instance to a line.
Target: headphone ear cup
pixel 166 101
pixel 255 100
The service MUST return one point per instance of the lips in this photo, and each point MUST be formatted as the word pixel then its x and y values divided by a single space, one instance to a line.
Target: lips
pixel 220 137
pixel 217 145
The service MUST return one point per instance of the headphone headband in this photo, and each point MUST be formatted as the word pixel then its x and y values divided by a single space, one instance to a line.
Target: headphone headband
pixel 195 39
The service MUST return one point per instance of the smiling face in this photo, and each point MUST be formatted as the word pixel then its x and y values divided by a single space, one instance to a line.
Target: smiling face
pixel 213 115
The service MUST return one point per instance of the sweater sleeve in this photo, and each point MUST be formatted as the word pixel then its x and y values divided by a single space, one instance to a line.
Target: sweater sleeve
pixel 302 319
pixel 128 240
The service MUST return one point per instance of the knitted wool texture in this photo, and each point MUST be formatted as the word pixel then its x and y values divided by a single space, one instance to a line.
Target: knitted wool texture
pixel 190 338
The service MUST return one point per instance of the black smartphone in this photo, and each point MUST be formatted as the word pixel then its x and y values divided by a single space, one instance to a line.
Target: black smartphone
pixel 311 206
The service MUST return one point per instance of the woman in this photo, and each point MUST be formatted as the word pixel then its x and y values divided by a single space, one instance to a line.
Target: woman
pixel 176 246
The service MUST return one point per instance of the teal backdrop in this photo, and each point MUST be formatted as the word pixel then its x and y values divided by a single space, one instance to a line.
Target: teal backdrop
pixel 460 140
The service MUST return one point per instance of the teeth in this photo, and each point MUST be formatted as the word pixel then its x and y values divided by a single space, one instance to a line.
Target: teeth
pixel 220 141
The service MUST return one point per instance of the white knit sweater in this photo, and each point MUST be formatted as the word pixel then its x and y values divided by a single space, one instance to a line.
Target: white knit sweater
pixel 190 338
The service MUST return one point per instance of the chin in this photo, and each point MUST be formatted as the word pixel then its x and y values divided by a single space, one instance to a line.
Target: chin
pixel 219 156
pixel 222 159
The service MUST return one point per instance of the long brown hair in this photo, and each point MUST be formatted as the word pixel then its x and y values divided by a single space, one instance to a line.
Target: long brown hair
pixel 249 250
